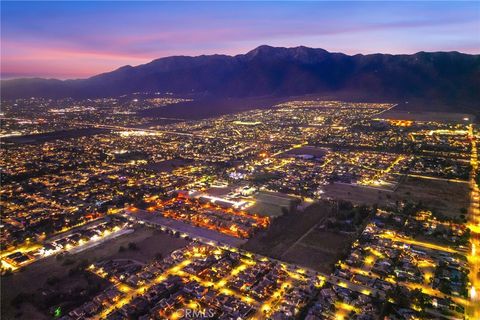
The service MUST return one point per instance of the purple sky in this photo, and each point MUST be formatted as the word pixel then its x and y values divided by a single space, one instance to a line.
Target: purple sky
pixel 80 39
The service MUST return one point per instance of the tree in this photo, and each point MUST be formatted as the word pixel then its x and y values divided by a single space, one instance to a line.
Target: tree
pixel 68 262
pixel 445 287
pixel 52 280
pixel 8 272
pixel 19 299
pixel 132 246
pixel 83 264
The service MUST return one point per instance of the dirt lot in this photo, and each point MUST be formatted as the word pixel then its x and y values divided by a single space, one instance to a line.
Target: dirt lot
pixel 314 151
pixel 311 257
pixel 167 165
pixel 319 250
pixel 272 204
pixel 445 197
pixel 286 230
pixel 295 238
pixel 55 135
pixel 267 209
pixel 149 243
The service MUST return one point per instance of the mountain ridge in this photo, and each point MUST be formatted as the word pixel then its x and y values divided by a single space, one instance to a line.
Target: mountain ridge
pixel 450 77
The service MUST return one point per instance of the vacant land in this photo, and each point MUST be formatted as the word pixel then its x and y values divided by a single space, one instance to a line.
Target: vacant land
pixel 445 197
pixel 220 191
pixel 167 165
pixel 273 204
pixel 55 135
pixel 268 209
pixel 319 250
pixel 148 241
pixel 286 230
pixel 296 238
pixel 314 151
pixel 209 107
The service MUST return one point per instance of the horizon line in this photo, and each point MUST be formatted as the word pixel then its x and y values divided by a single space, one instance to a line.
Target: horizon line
pixel 72 78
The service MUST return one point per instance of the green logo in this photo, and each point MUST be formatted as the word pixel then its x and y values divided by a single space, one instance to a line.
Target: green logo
pixel 58 312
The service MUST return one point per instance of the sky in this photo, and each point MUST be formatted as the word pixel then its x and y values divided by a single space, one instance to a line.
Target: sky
pixel 72 39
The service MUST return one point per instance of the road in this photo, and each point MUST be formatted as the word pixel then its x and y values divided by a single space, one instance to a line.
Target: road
pixel 473 312
pixel 29 248
pixel 427 245
pixel 434 178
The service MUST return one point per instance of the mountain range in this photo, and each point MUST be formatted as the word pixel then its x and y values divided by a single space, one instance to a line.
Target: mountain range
pixel 450 78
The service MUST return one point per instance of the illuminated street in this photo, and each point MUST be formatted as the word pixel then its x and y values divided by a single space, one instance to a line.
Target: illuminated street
pixel 474 225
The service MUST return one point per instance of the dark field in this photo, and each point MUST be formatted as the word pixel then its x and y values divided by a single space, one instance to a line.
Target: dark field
pixel 287 229
pixel 443 196
pixel 294 238
pixel 314 151
pixel 207 108
pixel 311 257
pixel 55 135
pixel 167 165
pixel 319 250
pixel 272 204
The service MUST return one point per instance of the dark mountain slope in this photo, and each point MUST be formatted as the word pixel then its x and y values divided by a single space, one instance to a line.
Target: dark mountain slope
pixel 448 77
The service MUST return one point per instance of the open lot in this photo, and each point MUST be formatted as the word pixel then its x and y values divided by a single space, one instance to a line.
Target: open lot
pixel 311 150
pixel 209 107
pixel 296 238
pixel 55 135
pixel 319 250
pixel 445 197
pixel 272 204
pixel 286 230
pixel 149 242
pixel 167 165
pixel 267 209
